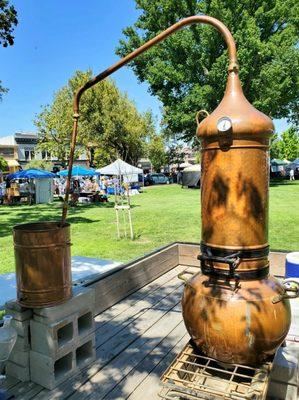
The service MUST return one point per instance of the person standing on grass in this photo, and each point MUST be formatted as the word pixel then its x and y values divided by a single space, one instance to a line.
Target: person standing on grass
pixel 292 177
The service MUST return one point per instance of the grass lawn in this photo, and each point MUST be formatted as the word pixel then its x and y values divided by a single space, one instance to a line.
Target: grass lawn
pixel 161 214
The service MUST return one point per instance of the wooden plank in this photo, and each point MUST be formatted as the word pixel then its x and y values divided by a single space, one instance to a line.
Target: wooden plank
pixel 151 385
pixel 121 321
pixel 21 390
pixel 277 263
pixel 137 328
pixel 108 377
pixel 114 346
pixel 131 300
pixel 142 370
pixel 9 382
pixel 30 394
pixel 188 253
pixel 119 285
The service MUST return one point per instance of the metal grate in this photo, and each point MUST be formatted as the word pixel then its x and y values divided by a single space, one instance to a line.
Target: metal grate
pixel 193 375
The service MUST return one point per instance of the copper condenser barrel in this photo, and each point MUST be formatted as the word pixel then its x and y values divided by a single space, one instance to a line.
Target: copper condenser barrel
pixel 43 263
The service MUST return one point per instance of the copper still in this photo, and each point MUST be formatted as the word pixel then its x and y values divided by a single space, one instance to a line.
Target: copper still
pixel 233 310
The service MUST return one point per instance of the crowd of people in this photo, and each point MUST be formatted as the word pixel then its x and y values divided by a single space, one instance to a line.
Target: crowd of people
pixel 12 191
pixel 82 185
pixel 91 188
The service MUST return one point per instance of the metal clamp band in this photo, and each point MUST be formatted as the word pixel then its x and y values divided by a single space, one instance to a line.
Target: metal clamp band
pixel 242 253
pixel 233 261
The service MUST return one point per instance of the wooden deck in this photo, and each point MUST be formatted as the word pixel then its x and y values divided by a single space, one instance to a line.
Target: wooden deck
pixel 136 339
pixel 139 330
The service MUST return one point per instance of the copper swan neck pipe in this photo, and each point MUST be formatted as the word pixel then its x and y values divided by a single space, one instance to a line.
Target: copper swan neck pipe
pixel 196 19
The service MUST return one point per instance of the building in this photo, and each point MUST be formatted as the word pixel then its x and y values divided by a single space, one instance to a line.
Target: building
pixel 9 151
pixel 20 148
pixel 189 155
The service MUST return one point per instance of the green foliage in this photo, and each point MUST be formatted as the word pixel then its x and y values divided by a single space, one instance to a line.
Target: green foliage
pixel 156 152
pixel 3 164
pixel 187 71
pixel 40 164
pixel 198 158
pixel 286 147
pixel 8 20
pixel 174 154
pixel 109 123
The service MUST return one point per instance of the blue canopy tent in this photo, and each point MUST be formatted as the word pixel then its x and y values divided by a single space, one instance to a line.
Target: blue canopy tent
pixel 31 174
pixel 41 189
pixel 78 171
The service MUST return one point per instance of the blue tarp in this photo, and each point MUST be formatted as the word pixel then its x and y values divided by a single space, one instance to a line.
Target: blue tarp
pixel 31 174
pixel 78 171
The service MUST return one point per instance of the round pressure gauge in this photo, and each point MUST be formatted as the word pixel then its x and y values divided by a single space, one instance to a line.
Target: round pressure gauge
pixel 224 124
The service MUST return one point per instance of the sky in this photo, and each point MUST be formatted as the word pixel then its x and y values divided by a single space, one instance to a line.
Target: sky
pixel 54 39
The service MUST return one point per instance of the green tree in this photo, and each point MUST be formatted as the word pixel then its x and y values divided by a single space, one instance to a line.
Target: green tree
pixel 156 152
pixel 39 164
pixel 8 20
pixel 174 155
pixel 109 124
pixel 3 164
pixel 286 147
pixel 187 71
pixel 275 147
pixel 290 143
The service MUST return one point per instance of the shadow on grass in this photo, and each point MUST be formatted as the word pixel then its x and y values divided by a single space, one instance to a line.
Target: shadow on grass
pixel 280 182
pixel 51 212
pixel 80 220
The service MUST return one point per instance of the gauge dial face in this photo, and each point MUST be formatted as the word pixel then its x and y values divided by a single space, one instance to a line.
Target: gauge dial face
pixel 224 124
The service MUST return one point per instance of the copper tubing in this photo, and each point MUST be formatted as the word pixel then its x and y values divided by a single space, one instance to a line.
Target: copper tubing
pixel 196 19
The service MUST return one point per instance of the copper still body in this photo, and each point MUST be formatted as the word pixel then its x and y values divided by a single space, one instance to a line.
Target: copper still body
pixel 234 311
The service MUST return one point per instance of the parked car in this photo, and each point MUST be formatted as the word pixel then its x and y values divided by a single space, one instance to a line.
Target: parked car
pixel 155 179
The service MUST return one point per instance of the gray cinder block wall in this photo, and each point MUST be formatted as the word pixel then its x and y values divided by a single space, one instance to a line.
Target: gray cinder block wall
pixel 18 364
pixel 53 342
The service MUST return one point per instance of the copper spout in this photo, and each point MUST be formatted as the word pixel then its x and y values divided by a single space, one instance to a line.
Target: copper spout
pixel 196 19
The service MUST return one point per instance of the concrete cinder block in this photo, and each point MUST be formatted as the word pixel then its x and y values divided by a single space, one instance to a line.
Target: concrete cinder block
pixel 22 327
pixel 49 372
pixel 53 338
pixel 284 377
pixel 83 298
pixel 282 391
pixel 18 312
pixel 85 322
pixel 20 358
pixel 17 371
pixel 22 344
pixel 85 352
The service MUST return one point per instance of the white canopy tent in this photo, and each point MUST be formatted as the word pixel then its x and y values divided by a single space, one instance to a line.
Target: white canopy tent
pixel 191 176
pixel 127 172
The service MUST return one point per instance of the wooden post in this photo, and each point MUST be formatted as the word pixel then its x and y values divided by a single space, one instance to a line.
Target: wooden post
pixel 117 223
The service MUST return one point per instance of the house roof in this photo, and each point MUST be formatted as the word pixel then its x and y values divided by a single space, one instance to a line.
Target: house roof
pixel 8 140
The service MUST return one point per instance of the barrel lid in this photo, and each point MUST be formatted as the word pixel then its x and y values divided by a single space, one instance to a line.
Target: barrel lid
pixel 293 257
pixel 246 120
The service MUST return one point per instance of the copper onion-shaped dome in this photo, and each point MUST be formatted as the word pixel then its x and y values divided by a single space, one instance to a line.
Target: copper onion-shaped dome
pixel 246 120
